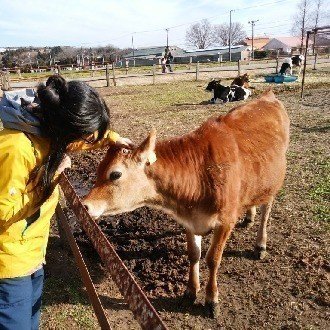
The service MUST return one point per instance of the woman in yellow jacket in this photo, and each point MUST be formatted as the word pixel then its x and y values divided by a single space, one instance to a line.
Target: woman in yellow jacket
pixel 33 146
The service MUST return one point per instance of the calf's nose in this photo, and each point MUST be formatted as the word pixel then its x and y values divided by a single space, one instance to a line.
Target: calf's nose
pixel 94 208
pixel 87 207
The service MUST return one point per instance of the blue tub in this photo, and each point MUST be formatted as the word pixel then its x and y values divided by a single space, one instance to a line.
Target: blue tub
pixel 279 79
pixel 270 78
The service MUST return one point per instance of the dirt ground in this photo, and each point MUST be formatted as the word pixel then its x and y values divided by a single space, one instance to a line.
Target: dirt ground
pixel 287 290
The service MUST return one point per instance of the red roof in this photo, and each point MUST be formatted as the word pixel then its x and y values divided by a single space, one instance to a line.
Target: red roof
pixel 258 42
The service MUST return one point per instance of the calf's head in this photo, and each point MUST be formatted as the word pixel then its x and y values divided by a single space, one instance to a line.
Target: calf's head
pixel 212 85
pixel 122 184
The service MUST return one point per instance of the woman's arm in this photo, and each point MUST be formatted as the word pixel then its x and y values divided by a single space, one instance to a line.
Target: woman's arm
pixel 15 201
pixel 18 197
pixel 110 138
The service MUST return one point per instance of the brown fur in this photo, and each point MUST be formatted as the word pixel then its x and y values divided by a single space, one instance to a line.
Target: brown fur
pixel 206 179
pixel 242 81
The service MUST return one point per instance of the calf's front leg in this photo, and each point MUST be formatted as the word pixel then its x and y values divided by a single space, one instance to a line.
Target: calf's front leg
pixel 194 255
pixel 213 259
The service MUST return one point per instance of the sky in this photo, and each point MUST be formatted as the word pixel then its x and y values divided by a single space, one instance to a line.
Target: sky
pixel 103 22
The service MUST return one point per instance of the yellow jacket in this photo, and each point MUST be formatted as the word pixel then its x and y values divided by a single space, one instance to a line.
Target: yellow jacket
pixel 24 233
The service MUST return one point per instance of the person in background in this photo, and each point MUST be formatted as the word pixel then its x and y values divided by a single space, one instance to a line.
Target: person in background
pixel 169 60
pixel 37 134
pixel 163 64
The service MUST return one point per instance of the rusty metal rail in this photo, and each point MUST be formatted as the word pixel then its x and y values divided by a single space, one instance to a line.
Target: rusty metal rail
pixel 90 288
pixel 137 301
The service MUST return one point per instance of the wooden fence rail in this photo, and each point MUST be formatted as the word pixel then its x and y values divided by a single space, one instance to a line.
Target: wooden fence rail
pixel 136 299
pixel 194 68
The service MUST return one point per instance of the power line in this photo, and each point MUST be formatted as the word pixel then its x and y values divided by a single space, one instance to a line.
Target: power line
pixel 272 22
pixel 271 27
pixel 262 5
pixel 190 22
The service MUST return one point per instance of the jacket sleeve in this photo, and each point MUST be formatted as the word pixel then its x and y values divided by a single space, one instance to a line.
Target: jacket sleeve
pixel 110 137
pixel 15 202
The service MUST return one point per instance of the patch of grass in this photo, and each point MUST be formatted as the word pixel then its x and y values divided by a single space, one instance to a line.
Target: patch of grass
pixel 68 316
pixel 66 305
pixel 281 195
pixel 320 193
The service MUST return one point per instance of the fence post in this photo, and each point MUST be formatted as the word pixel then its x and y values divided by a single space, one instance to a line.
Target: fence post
pixel 197 71
pixel 277 62
pixel 153 74
pixel 239 67
pixel 58 69
pixel 5 81
pixel 220 59
pixel 107 75
pixel 315 59
pixel 113 74
pixel 190 61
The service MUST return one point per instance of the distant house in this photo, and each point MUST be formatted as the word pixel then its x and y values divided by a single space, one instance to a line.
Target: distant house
pixel 2 50
pixel 284 44
pixel 150 55
pixel 322 42
pixel 258 42
pixel 238 52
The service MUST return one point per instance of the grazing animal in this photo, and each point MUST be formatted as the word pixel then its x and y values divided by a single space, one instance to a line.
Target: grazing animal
pixel 227 93
pixel 205 179
pixel 242 81
pixel 289 62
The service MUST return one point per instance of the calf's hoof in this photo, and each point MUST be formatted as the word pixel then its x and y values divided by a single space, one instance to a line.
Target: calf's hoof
pixel 246 223
pixel 212 310
pixel 188 298
pixel 260 252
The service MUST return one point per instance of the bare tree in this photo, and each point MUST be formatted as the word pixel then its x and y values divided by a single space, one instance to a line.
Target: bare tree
pixel 221 34
pixel 317 16
pixel 200 34
pixel 302 19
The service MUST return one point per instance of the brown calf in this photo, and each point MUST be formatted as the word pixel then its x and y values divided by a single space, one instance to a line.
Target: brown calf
pixel 243 81
pixel 205 179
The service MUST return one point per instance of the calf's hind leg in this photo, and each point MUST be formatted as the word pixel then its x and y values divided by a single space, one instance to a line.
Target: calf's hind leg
pixel 213 259
pixel 194 255
pixel 262 232
pixel 248 220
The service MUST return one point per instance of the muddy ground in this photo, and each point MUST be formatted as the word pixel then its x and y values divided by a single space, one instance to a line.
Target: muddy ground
pixel 287 290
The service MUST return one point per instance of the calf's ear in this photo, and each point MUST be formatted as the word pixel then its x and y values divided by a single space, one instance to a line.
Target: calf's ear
pixel 146 150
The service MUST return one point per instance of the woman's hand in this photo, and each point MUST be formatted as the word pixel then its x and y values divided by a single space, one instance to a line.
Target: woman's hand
pixel 125 142
pixel 65 163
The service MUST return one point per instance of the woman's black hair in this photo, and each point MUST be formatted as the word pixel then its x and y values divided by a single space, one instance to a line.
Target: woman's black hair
pixel 70 111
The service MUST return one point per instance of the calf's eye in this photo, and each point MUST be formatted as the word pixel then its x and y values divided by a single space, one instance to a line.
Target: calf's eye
pixel 115 175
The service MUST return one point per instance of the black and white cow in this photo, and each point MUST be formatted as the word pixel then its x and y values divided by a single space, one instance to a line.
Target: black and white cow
pixel 289 62
pixel 227 93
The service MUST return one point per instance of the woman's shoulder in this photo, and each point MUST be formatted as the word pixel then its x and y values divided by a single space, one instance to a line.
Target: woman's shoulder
pixel 13 135
pixel 15 141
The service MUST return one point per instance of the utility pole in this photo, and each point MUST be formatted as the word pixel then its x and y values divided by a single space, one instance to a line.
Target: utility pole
pixel 133 49
pixel 229 37
pixel 167 37
pixel 253 23
pixel 82 58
